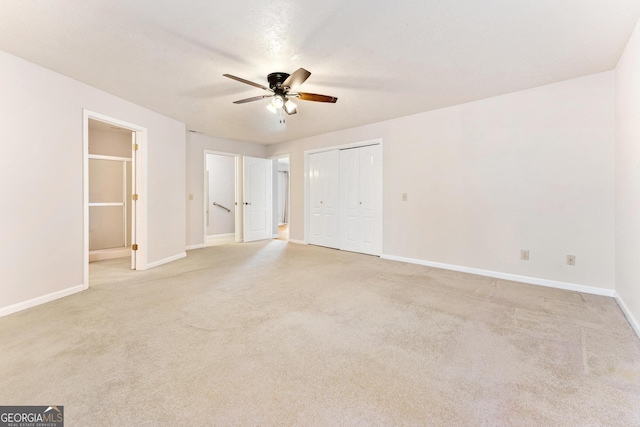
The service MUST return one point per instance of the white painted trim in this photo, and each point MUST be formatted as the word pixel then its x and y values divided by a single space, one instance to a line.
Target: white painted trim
pixel 166 260
pixel 507 276
pixel 198 246
pixel 101 157
pixel 239 200
pixel 220 239
pixel 274 215
pixel 635 325
pixel 298 242
pixel 275 235
pixel 5 311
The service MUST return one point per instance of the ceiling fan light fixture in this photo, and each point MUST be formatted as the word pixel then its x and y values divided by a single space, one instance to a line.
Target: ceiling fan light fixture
pixel 289 106
pixel 281 88
pixel 278 101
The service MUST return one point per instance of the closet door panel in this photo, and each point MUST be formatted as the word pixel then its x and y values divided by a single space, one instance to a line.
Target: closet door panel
pixel 360 197
pixel 324 180
pixel 316 225
pixel 350 199
pixel 370 189
pixel 331 198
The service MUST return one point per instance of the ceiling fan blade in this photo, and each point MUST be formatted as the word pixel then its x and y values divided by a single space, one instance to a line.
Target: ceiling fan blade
pixel 253 98
pixel 315 97
pixel 296 79
pixel 241 80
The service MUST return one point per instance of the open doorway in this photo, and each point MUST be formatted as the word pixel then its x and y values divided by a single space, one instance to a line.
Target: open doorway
pixel 220 198
pixel 110 191
pixel 114 190
pixel 281 197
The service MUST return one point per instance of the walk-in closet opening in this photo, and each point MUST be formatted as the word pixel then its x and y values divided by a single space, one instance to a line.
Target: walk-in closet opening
pixel 110 191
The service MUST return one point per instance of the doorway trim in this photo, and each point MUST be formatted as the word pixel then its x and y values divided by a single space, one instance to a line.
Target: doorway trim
pixel 140 178
pixel 307 198
pixel 275 175
pixel 237 192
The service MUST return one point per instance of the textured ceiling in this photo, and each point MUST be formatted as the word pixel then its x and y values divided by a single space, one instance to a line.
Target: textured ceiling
pixel 382 59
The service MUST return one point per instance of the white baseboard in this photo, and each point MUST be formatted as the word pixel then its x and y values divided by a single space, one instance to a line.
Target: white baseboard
pixel 298 242
pixel 221 239
pixel 627 312
pixel 508 276
pixel 166 260
pixel 4 311
pixel 275 235
pixel 198 246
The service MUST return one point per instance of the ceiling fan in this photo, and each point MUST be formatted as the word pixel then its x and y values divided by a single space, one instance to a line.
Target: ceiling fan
pixel 281 89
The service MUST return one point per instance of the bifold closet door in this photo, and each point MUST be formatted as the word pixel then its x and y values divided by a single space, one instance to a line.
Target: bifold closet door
pixel 361 199
pixel 324 199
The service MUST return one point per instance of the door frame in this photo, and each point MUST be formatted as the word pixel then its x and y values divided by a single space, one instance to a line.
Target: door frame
pixel 275 174
pixel 307 199
pixel 237 191
pixel 140 179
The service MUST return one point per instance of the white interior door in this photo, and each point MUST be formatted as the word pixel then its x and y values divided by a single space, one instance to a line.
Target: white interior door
pixel 361 199
pixel 257 205
pixel 324 192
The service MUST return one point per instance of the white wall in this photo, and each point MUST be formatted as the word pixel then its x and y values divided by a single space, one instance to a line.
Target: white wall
pixel 222 189
pixel 108 143
pixel 628 177
pixel 528 170
pixel 196 145
pixel 41 180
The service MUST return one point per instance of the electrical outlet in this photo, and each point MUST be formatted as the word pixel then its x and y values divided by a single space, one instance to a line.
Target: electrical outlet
pixel 524 254
pixel 404 197
pixel 571 260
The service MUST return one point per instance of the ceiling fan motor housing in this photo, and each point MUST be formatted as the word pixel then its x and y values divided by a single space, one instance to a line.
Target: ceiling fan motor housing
pixel 276 80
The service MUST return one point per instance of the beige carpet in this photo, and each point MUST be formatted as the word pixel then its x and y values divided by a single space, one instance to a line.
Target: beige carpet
pixel 277 334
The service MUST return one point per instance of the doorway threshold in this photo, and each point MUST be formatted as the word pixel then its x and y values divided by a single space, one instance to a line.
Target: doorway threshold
pixel 102 254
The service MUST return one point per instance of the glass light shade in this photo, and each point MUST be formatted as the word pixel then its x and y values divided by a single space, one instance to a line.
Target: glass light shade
pixel 272 108
pixel 277 102
pixel 290 106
